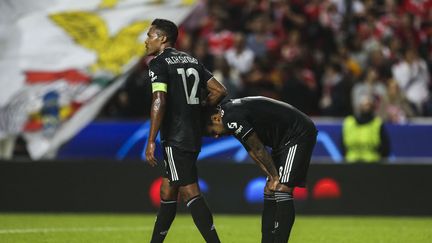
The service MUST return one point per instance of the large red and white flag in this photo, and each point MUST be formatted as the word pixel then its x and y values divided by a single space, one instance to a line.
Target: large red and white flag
pixel 61 60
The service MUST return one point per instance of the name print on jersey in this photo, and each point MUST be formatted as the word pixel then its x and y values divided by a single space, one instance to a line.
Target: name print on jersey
pixel 180 59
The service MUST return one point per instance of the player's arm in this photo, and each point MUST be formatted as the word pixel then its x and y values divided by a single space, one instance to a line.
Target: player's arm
pixel 157 113
pixel 259 154
pixel 217 92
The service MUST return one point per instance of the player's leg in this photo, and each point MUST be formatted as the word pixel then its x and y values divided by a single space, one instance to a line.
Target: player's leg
pixel 200 211
pixel 293 173
pixel 186 177
pixel 268 217
pixel 168 205
pixel 285 213
pixel 167 211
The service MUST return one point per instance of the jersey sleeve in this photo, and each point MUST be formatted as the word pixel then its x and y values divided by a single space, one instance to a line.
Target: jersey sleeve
pixel 237 124
pixel 205 74
pixel 158 75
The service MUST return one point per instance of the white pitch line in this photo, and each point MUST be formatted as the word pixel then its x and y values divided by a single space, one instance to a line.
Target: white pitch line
pixel 87 229
pixel 72 229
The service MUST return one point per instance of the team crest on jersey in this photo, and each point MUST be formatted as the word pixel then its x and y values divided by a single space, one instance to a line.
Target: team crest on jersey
pixel 232 125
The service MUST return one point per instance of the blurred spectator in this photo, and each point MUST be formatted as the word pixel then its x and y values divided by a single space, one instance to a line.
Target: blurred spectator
pixel 407 29
pixel 230 78
pixel 393 51
pixel 20 149
pixel 260 40
pixel 352 66
pixel 330 17
pixel 333 42
pixel 219 39
pixel 364 137
pixel 119 107
pixel 7 144
pixel 394 108
pixel 202 53
pixel 198 18
pixel 412 75
pixel 184 41
pixel 336 97
pixel 356 51
pixel 290 14
pixel 291 49
pixel 300 89
pixel 371 87
pixel 380 63
pixel 133 100
pixel 239 57
pixel 259 82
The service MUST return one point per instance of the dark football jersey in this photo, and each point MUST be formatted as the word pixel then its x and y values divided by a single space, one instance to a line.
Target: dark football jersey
pixel 186 86
pixel 276 123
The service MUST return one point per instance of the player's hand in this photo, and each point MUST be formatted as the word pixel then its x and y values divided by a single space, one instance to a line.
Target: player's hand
pixel 150 150
pixel 272 183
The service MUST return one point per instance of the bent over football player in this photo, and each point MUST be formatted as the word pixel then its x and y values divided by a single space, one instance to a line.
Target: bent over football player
pixel 258 122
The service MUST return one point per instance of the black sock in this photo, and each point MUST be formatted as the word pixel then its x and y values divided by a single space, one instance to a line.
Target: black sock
pixel 268 218
pixel 285 216
pixel 165 217
pixel 203 218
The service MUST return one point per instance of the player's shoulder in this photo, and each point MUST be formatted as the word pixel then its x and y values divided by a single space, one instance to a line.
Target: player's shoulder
pixel 157 61
pixel 234 103
pixel 231 108
pixel 160 58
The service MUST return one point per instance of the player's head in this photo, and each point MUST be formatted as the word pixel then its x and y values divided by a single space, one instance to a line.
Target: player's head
pixel 213 125
pixel 162 33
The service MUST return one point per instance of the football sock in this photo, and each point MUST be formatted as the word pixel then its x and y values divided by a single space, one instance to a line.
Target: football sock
pixel 165 217
pixel 203 218
pixel 268 219
pixel 285 216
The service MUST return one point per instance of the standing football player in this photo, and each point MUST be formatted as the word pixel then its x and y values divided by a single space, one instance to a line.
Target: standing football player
pixel 181 86
pixel 258 122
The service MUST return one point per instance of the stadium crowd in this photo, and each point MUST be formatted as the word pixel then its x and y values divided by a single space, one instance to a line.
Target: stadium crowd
pixel 320 56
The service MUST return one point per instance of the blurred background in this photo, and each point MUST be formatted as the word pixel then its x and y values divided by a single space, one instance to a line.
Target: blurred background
pixel 75 100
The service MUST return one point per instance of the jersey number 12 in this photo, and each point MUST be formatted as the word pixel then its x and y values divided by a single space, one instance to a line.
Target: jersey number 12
pixel 191 98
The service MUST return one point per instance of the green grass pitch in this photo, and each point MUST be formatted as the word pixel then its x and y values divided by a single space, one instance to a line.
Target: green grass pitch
pixel 123 228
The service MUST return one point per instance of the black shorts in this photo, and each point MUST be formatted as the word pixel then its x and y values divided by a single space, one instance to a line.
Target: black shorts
pixel 293 161
pixel 180 166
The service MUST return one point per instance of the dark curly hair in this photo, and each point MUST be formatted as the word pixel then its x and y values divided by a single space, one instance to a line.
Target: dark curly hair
pixel 169 29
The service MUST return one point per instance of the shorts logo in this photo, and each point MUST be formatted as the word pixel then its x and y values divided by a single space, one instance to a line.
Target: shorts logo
pixel 232 125
pixel 238 130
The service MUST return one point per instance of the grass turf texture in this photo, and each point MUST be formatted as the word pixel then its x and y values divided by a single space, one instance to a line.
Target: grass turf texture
pixel 106 228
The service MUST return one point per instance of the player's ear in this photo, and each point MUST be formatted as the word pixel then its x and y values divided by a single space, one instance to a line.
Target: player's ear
pixel 164 38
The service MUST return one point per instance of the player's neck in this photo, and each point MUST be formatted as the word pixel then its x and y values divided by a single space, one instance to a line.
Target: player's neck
pixel 163 48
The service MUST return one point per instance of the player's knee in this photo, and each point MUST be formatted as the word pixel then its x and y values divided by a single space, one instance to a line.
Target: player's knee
pixel 168 196
pixel 284 188
pixel 189 191
pixel 168 193
pixel 267 191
